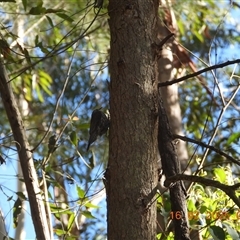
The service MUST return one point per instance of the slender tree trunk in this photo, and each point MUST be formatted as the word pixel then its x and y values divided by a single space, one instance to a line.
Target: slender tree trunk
pixel 131 176
pixel 20 232
pixel 171 167
pixel 167 72
pixel 25 156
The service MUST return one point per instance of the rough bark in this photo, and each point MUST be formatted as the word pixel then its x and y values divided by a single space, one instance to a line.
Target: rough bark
pixel 167 72
pixel 25 157
pixel 171 167
pixel 131 176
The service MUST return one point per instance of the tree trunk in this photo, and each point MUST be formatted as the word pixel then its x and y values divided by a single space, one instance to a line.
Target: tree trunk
pixel 25 156
pixel 131 176
pixel 20 232
pixel 167 72
pixel 171 167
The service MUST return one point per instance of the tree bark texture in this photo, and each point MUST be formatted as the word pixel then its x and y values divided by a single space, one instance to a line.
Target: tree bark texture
pixel 171 167
pixel 167 71
pixel 131 175
pixel 25 157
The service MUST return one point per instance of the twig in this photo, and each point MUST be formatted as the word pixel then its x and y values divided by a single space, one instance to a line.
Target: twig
pixel 165 40
pixel 186 139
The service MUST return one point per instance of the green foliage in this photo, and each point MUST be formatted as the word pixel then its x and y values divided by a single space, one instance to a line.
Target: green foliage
pixel 217 233
pixel 73 138
pixel 17 209
pixel 209 209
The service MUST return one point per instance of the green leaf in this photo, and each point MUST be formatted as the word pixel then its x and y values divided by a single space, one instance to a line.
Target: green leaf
pixel 17 208
pixel 45 82
pixel 39 94
pixel 38 10
pixel 217 233
pixel 10 198
pixel 60 232
pixel 90 205
pixel 81 193
pixel 36 40
pixel 232 232
pixel 65 17
pixel 72 237
pixel 43 49
pixel 21 195
pixel 27 56
pixel 50 10
pixel 50 21
pixel 203 209
pixel 191 205
pixel 233 138
pixel 71 221
pixel 92 161
pixel 57 209
pixel 24 2
pixel 181 27
pixel 87 214
pixel 73 138
pixel 159 236
pixel 84 126
pixel 220 174
pixel 46 76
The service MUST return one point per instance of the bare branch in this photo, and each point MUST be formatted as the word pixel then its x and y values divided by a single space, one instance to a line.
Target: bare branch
pixel 157 47
pixel 186 139
pixel 198 73
pixel 165 40
pixel 229 190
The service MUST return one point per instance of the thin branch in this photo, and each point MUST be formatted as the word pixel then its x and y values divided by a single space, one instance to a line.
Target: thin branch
pixel 168 83
pixel 186 139
pixel 229 190
pixel 157 47
pixel 165 40
pixel 218 124
pixel 213 42
pixel 215 131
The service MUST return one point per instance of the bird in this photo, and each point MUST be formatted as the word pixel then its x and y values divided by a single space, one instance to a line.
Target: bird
pixel 99 125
